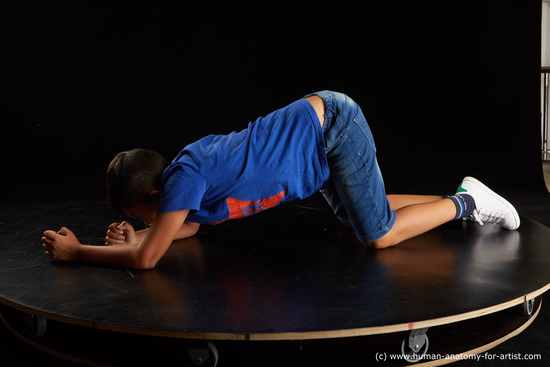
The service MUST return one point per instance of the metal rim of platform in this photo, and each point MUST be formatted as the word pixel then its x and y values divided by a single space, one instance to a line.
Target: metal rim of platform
pixel 309 335
pixel 446 359
pixel 483 348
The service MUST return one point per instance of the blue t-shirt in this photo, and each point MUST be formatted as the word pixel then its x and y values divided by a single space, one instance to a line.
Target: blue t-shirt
pixel 280 157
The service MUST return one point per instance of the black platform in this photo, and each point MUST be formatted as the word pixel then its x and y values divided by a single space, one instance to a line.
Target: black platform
pixel 291 273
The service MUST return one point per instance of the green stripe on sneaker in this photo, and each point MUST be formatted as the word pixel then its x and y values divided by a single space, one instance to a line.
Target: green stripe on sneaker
pixel 461 189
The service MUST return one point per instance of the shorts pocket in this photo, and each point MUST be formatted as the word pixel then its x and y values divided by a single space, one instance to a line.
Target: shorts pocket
pixel 361 123
pixel 344 159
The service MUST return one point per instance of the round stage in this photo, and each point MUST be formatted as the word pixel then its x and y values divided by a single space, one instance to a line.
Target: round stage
pixel 292 274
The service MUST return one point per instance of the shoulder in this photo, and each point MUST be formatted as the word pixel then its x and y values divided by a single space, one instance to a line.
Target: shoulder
pixel 179 174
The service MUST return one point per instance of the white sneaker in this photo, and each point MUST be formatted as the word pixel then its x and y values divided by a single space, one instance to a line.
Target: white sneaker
pixel 490 207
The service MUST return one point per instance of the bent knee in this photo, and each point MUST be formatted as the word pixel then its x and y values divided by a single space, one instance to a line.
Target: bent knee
pixel 381 243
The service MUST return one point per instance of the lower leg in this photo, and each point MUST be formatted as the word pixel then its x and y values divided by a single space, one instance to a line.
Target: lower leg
pixel 415 219
pixel 400 201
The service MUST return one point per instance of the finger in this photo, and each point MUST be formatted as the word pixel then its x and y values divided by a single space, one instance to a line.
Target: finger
pixel 66 231
pixel 115 235
pixel 50 234
pixel 114 231
pixel 113 241
pixel 48 248
pixel 114 227
pixel 125 226
pixel 46 241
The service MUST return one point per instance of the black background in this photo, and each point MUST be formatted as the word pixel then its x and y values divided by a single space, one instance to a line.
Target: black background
pixel 449 88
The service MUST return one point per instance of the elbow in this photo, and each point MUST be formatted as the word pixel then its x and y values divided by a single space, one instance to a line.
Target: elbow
pixel 189 229
pixel 195 229
pixel 192 228
pixel 145 263
pixel 145 266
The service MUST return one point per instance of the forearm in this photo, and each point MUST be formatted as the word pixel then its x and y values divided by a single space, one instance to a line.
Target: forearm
pixel 116 256
pixel 188 229
pixel 141 251
pixel 140 235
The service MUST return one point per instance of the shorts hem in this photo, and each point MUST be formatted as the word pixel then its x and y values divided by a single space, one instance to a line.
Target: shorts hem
pixel 380 234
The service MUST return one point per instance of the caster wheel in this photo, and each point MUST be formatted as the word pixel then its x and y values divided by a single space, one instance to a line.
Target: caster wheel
pixel 35 325
pixel 205 355
pixel 415 353
pixel 526 308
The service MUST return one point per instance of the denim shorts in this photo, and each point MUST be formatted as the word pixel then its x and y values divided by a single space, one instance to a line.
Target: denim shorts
pixel 355 191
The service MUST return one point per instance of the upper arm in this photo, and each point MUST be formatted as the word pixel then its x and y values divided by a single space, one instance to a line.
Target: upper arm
pixel 159 237
pixel 188 229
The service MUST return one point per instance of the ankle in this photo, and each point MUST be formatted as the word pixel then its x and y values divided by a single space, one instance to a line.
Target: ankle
pixel 464 204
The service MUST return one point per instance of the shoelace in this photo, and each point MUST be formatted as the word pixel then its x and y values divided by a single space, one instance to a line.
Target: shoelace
pixel 481 216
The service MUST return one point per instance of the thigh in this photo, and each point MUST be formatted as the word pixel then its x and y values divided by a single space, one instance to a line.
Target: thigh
pixel 363 197
pixel 355 174
pixel 333 198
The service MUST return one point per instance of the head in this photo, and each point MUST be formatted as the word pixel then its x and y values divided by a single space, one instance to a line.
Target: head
pixel 134 182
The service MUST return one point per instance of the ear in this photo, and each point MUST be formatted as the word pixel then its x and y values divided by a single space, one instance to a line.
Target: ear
pixel 155 194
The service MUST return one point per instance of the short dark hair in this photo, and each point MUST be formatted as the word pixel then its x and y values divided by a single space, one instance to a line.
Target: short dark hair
pixel 132 175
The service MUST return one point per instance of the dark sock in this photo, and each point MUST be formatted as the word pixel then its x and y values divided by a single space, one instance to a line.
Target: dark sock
pixel 464 204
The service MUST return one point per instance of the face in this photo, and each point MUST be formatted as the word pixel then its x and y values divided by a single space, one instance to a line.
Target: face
pixel 146 212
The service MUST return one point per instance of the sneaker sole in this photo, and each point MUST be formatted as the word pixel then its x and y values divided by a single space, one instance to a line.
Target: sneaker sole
pixel 498 197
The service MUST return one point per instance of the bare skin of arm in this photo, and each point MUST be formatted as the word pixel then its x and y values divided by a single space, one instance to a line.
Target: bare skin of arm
pixel 130 249
pixel 64 245
pixel 115 234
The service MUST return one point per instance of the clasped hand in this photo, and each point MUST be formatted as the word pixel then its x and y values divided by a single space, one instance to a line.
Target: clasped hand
pixel 63 244
pixel 120 234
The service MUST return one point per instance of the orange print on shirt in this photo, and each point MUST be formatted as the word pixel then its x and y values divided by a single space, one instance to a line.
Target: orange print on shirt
pixel 240 208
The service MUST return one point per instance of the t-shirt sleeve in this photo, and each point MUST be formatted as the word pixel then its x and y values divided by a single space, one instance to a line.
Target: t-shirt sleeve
pixel 183 189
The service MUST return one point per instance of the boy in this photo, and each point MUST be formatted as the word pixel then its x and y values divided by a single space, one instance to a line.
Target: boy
pixel 320 142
